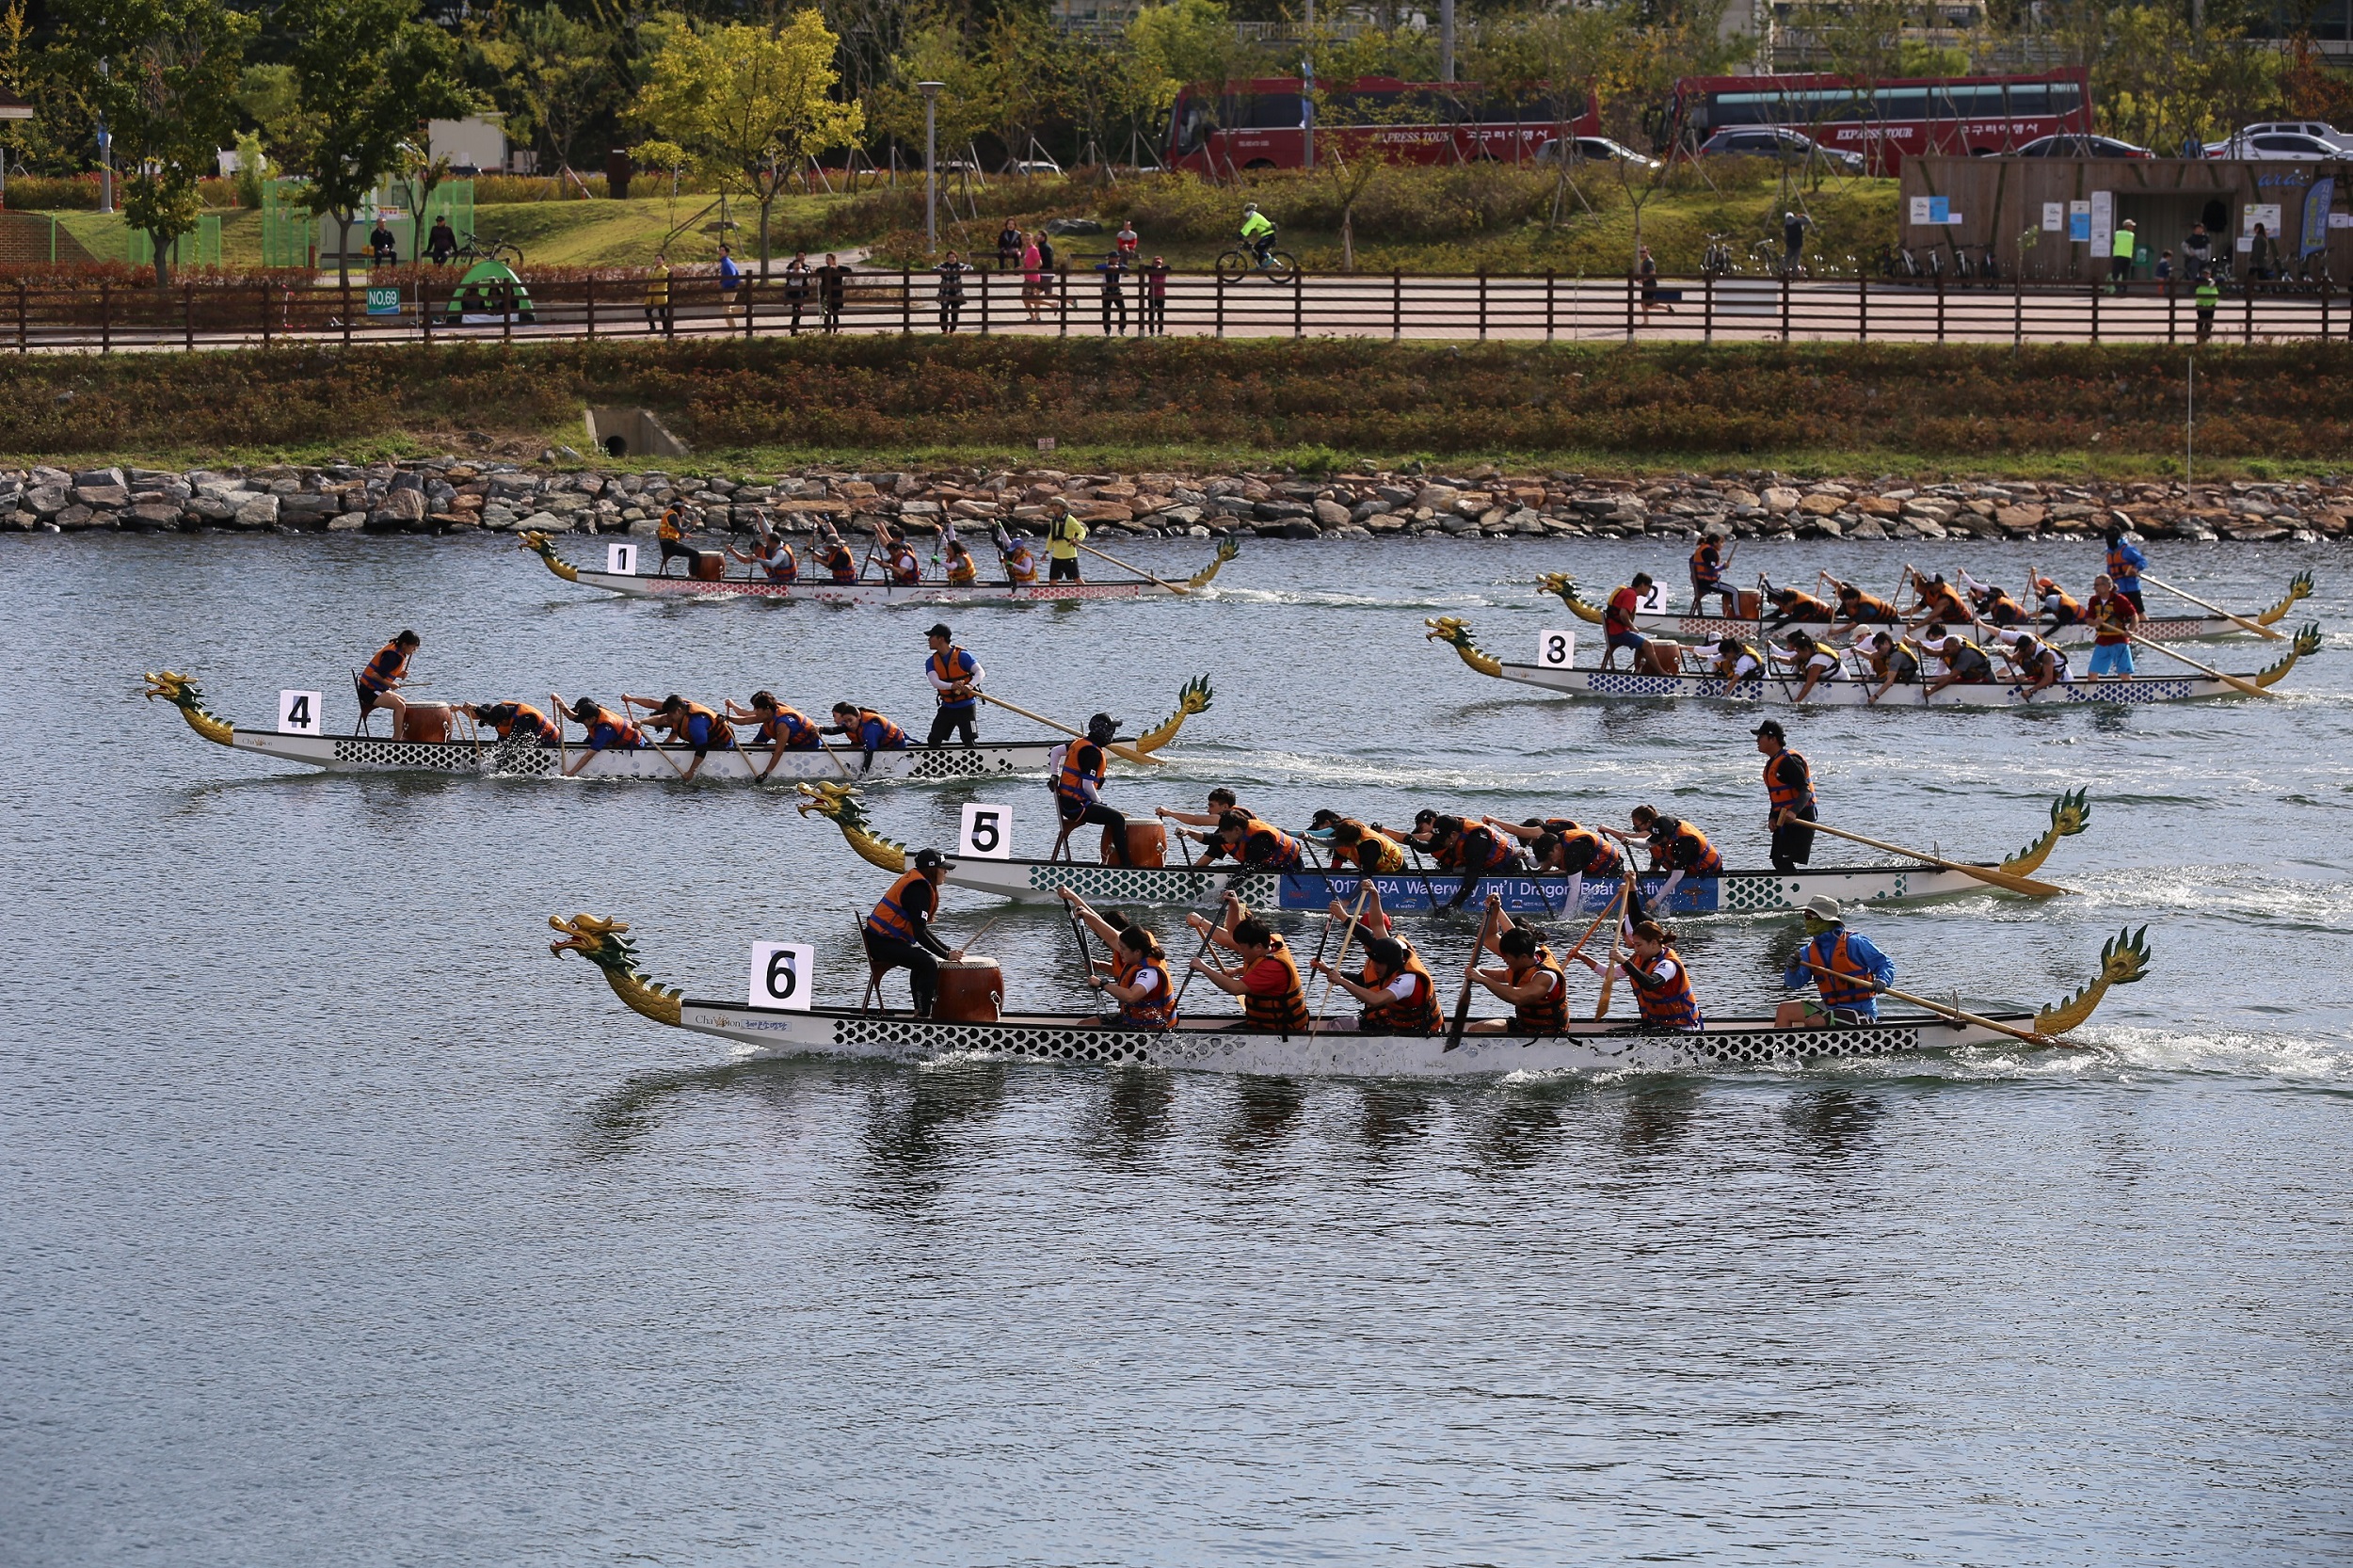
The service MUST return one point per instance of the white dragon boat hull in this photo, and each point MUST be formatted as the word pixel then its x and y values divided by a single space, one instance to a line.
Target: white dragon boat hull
pixel 1846 692
pixel 531 760
pixel 2169 628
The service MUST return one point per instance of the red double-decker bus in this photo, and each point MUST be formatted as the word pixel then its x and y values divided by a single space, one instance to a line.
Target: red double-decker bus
pixel 1263 124
pixel 1893 120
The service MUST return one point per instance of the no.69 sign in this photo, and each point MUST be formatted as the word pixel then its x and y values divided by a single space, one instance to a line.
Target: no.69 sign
pixel 987 832
pixel 783 974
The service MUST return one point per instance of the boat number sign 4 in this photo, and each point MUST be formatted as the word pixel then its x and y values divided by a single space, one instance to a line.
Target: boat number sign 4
pixel 298 713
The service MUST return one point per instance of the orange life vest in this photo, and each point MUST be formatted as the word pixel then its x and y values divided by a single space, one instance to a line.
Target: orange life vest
pixel 889 918
pixel 389 665
pixel 1071 781
pixel 1417 1014
pixel 1548 1014
pixel 954 665
pixel 1705 863
pixel 842 564
pixel 893 738
pixel 1849 984
pixel 1706 571
pixel 1154 1011
pixel 1784 795
pixel 1671 1005
pixel 1021 565
pixel 523 716
pixel 1281 1012
pixel 905 568
pixel 1373 853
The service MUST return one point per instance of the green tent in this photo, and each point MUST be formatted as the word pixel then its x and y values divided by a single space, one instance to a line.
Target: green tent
pixel 488 296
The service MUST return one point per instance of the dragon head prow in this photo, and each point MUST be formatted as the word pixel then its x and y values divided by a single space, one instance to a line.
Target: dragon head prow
pixel 1192 697
pixel 1564 586
pixel 839 804
pixel 2299 588
pixel 182 693
pixel 1453 630
pixel 2123 960
pixel 1228 548
pixel 2303 646
pixel 605 943
pixel 2070 815
pixel 537 542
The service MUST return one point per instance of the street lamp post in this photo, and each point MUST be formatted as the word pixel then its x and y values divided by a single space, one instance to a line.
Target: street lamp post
pixel 931 163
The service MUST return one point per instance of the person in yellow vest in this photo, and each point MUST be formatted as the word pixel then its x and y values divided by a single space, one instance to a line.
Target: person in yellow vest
pixel 1267 977
pixel 2120 250
pixel 1063 538
pixel 960 568
pixel 658 317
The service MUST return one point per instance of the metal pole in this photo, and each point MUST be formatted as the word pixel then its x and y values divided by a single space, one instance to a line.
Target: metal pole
pixel 1483 304
pixel 1397 303
pixel 1629 307
pixel 187 317
pixel 106 319
pixel 931 163
pixel 592 310
pixel 906 302
pixel 1221 304
pixel 1708 317
pixel 1547 305
pixel 1446 40
pixel 1863 307
pixel 1063 301
pixel 2017 312
pixel 2096 312
pixel 1940 311
pixel 2247 333
pixel 1298 303
pixel 2169 311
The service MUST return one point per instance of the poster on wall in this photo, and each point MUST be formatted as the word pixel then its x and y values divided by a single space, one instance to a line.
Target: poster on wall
pixel 2317 202
pixel 2079 221
pixel 2054 217
pixel 2103 220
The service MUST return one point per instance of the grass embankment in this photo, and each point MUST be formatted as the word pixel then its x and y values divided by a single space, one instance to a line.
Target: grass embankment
pixel 2275 410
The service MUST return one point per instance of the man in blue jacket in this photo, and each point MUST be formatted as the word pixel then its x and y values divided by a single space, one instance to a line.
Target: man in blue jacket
pixel 1846 970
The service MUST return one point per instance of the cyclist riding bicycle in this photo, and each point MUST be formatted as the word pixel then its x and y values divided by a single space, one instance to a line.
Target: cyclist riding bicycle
pixel 1258 231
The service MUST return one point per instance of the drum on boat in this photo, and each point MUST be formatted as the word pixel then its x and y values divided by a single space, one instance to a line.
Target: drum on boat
pixel 971 991
pixel 1148 845
pixel 427 721
pixel 710 566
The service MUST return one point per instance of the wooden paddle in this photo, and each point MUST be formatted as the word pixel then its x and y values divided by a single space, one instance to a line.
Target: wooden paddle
pixel 1364 891
pixel 628 703
pixel 1172 587
pixel 1617 938
pixel 1992 874
pixel 1128 752
pixel 1462 1002
pixel 2256 627
pixel 2236 682
pixel 2028 1036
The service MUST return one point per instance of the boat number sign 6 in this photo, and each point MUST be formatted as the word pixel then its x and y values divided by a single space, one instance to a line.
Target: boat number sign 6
pixel 783 974
pixel 1556 650
pixel 620 559
pixel 298 713
pixel 987 832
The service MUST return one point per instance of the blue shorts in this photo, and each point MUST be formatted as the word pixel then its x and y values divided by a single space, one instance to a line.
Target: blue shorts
pixel 2112 659
pixel 1634 640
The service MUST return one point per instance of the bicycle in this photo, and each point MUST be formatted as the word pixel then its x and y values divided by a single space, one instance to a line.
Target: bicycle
pixel 1277 267
pixel 476 249
pixel 1716 262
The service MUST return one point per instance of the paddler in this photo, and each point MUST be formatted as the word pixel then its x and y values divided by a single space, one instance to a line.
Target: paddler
pixel 1858 609
pixel 1938 600
pixel 960 568
pixel 1965 662
pixel 1062 537
pixel 1532 980
pixel 607 731
pixel 1817 661
pixel 1894 661
pixel 1253 846
pixel 1221 800
pixel 1559 847
pixel 1792 605
pixel 1788 798
pixel 1858 972
pixel 1732 658
pixel 1992 603
pixel 1617 622
pixel 779 727
pixel 671 532
pixel 1078 785
pixel 2039 664
pixel 379 681
pixel 953 674
pixel 1707 574
pixel 687 724
pixel 1676 848
pixel 2057 604
pixel 2112 615
pixel 899 933
pixel 1394 987
pixel 1473 851
pixel 1136 976
pixel 900 561
pixel 839 562
pixel 1267 977
pixel 1661 982
pixel 1020 560
pixel 514 721
pixel 863 729
pixel 2125 563
pixel 771 554
pixel 1357 846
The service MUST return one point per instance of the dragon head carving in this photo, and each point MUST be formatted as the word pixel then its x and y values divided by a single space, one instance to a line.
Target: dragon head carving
pixel 1228 548
pixel 182 693
pixel 1561 585
pixel 540 545
pixel 2070 815
pixel 1192 697
pixel 1451 630
pixel 839 804
pixel 2303 646
pixel 605 943
pixel 2123 960
pixel 2299 588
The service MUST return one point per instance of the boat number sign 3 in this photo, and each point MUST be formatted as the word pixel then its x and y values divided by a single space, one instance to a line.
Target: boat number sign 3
pixel 987 832
pixel 298 713
pixel 783 974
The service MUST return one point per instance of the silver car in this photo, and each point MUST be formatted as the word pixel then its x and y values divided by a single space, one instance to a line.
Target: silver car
pixel 2262 146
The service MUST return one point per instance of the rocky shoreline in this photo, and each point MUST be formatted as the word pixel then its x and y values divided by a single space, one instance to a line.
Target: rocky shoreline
pixel 450 495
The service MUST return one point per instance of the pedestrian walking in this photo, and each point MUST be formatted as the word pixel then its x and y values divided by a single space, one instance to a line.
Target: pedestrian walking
pixel 1156 297
pixel 1114 295
pixel 658 318
pixel 731 282
pixel 796 276
pixel 833 287
pixel 1646 267
pixel 2120 252
pixel 1793 227
pixel 2209 300
pixel 1030 277
pixel 952 273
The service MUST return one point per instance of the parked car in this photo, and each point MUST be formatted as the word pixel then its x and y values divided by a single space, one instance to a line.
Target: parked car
pixel 2073 145
pixel 1778 142
pixel 2258 146
pixel 2319 128
pixel 1033 166
pixel 1595 150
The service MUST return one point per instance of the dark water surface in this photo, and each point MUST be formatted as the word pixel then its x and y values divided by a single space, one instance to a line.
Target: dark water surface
pixel 343 1225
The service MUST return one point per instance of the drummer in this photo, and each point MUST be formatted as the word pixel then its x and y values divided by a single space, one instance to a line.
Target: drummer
pixel 1078 785
pixel 1617 621
pixel 379 682
pixel 1532 980
pixel 863 729
pixel 1266 978
pixel 1136 976
pixel 899 933
pixel 607 730
pixel 671 532
pixel 780 727
pixel 1394 987
pixel 510 720
pixel 687 724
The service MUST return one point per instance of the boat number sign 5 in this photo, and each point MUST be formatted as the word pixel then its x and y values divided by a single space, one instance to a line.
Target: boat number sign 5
pixel 987 832
pixel 620 558
pixel 784 973
pixel 1556 649
pixel 298 713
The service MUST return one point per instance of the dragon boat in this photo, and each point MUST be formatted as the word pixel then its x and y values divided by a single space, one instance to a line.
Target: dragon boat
pixel 1847 690
pixel 1220 1045
pixel 1733 892
pixel 523 759
pixel 653 584
pixel 2157 628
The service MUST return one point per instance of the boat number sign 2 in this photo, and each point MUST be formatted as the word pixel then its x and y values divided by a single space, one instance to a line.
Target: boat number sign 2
pixel 298 713
pixel 1556 649
pixel 987 832
pixel 783 974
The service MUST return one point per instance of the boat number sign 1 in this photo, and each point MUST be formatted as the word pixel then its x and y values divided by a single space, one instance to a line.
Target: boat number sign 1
pixel 298 713
pixel 987 832
pixel 620 559
pixel 783 974
pixel 1556 650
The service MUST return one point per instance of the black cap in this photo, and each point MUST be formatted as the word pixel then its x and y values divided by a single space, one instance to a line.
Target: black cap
pixel 1101 728
pixel 939 629
pixel 927 859
pixel 1772 728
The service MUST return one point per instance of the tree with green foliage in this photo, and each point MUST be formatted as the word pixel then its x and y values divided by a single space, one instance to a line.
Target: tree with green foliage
pixel 967 99
pixel 554 74
pixel 366 73
pixel 163 76
pixel 750 103
pixel 1550 60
